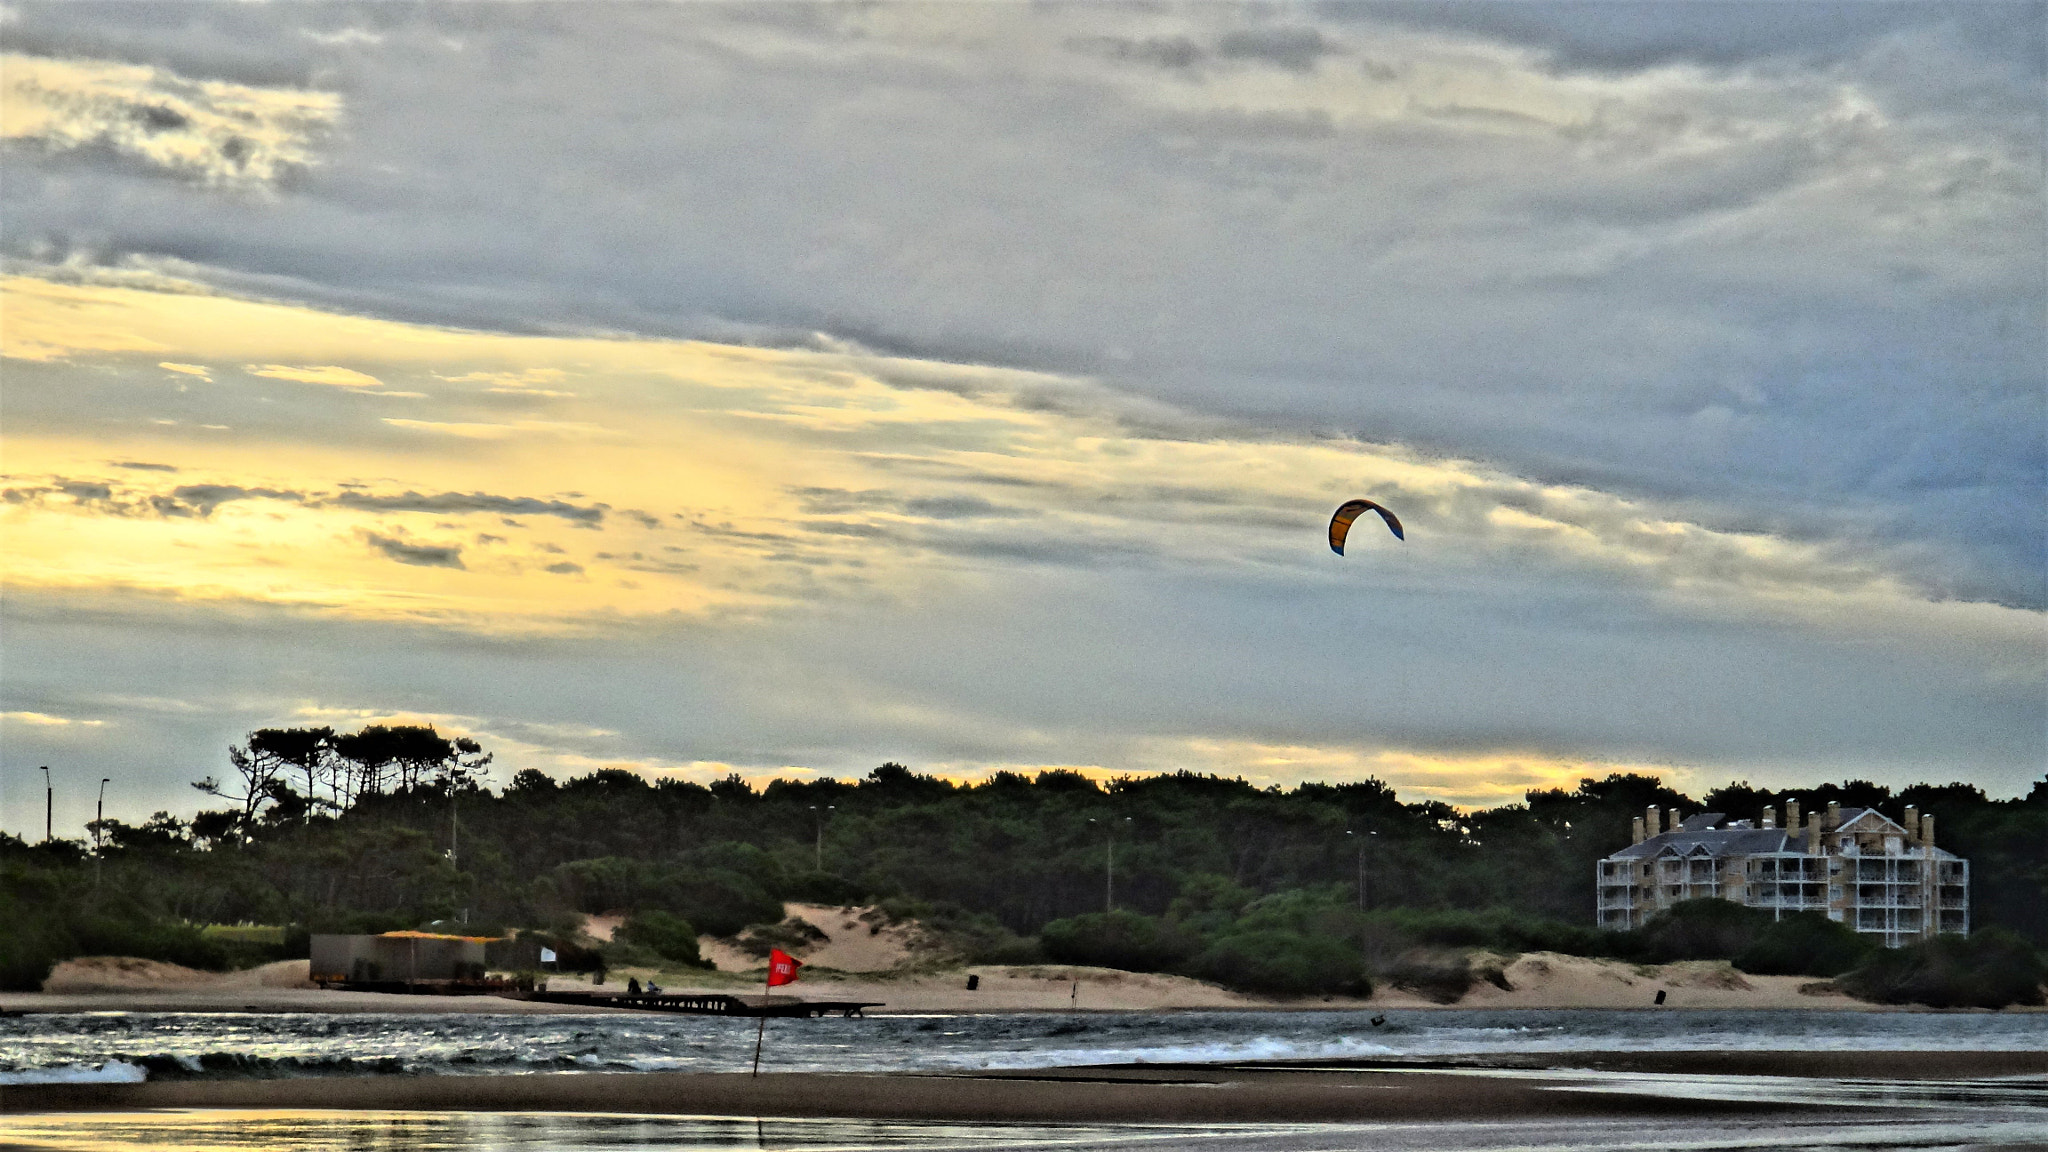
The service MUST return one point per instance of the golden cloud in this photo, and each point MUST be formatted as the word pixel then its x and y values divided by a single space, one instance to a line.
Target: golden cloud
pixel 752 479
pixel 222 134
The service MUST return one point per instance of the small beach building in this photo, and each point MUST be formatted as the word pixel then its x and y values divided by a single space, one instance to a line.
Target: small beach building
pixel 398 957
pixel 1881 877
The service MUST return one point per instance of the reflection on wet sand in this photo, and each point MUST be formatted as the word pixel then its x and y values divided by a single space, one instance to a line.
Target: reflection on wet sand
pixel 299 1131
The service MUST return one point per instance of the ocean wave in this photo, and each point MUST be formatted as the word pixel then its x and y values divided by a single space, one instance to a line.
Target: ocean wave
pixel 179 1046
pixel 109 1072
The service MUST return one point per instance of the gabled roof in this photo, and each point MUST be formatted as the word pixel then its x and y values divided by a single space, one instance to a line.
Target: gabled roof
pixel 1708 842
pixel 1879 821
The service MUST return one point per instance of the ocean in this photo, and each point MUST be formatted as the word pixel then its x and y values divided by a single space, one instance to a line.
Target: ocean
pixel 133 1046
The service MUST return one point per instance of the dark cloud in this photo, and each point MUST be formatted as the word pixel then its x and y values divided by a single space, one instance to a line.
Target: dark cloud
pixel 1157 51
pixel 83 491
pixel 961 508
pixel 190 500
pixel 1629 35
pixel 139 466
pixel 840 501
pixel 202 499
pixel 1296 49
pixel 589 514
pixel 566 568
pixel 423 555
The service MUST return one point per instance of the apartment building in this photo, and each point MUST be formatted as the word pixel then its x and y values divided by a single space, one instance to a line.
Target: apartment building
pixel 1882 878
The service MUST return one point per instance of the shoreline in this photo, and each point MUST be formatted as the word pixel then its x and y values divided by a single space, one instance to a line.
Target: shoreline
pixel 1115 1094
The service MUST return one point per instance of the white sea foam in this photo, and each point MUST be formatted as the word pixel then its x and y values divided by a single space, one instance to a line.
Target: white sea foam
pixel 111 1072
pixel 172 1045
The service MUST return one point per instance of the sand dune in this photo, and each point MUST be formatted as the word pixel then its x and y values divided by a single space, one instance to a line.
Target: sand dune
pixel 98 974
pixel 882 968
pixel 855 939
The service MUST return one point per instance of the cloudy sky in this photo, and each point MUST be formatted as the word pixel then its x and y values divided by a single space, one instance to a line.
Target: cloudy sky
pixel 789 388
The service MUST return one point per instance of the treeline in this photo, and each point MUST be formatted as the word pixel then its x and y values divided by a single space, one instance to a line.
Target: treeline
pixel 400 827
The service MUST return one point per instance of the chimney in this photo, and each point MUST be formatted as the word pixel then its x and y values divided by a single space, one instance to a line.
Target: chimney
pixel 1770 819
pixel 1651 817
pixel 1834 814
pixel 1912 822
pixel 1671 819
pixel 1637 832
pixel 1927 830
pixel 1813 844
pixel 1792 816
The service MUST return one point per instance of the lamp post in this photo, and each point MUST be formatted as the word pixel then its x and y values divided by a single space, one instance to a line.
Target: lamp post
pixel 1109 863
pixel 818 845
pixel 1361 842
pixel 99 821
pixel 49 803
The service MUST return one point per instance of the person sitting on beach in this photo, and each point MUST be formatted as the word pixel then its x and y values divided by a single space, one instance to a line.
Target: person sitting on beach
pixel 653 988
pixel 632 986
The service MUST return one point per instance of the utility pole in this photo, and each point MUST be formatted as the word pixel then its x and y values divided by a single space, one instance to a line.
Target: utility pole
pixel 1361 865
pixel 49 803
pixel 1109 864
pixel 818 846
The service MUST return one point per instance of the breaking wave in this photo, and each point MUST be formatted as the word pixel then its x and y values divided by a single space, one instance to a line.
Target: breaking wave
pixel 108 1072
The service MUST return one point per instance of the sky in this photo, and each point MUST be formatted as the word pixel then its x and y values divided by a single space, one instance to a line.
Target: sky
pixel 783 389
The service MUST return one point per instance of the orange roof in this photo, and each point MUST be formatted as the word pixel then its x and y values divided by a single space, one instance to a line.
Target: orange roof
pixel 408 934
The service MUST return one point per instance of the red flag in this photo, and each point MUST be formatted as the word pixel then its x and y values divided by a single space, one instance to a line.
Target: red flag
pixel 782 967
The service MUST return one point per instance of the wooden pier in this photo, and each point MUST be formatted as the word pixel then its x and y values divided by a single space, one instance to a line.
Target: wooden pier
pixel 701 1003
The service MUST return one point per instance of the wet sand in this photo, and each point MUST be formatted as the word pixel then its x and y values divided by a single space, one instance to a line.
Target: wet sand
pixel 1149 1094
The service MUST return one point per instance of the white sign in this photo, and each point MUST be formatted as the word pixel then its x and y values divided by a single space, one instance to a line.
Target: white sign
pixel 547 955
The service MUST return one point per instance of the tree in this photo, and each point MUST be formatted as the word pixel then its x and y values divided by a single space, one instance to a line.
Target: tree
pixel 406 757
pixel 310 750
pixel 262 782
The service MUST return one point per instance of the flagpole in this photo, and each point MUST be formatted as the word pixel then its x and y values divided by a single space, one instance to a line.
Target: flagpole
pixel 761 1029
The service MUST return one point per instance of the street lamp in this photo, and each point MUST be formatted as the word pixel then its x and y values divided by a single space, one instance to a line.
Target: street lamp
pixel 99 821
pixel 1361 842
pixel 1109 863
pixel 49 803
pixel 818 846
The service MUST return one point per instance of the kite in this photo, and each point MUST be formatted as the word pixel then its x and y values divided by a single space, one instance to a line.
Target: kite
pixel 1340 524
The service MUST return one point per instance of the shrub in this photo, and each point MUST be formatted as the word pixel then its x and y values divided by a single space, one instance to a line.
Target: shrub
pixel 1442 976
pixel 1990 969
pixel 717 900
pixel 968 936
pixel 1704 929
pixel 1497 929
pixel 665 934
pixel 788 935
pixel 1282 963
pixel 1805 944
pixel 1118 939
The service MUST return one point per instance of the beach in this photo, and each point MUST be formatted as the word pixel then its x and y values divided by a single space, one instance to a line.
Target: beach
pixel 1537 980
pixel 1161 1094
pixel 626 1080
